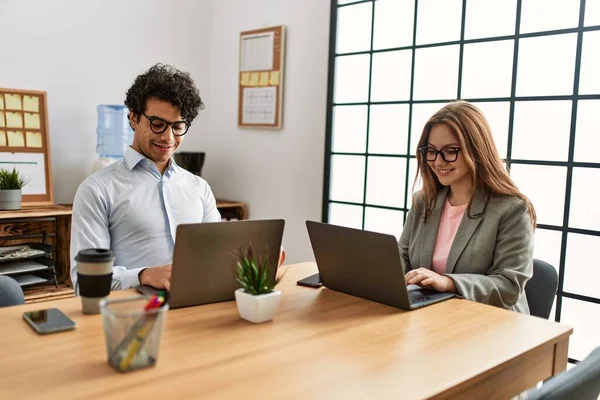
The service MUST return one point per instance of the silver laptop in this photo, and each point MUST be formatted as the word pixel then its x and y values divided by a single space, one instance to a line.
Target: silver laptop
pixel 203 258
pixel 367 265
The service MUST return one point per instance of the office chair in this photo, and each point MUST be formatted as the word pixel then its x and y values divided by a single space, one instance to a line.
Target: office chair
pixel 541 289
pixel 11 293
pixel 582 382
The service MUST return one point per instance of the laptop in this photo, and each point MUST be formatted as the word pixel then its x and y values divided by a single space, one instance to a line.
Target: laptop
pixel 204 258
pixel 367 265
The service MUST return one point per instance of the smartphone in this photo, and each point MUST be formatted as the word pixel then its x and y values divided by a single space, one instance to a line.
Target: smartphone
pixel 313 281
pixel 48 321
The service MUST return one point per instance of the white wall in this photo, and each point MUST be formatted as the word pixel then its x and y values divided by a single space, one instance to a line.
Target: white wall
pixel 85 53
pixel 279 173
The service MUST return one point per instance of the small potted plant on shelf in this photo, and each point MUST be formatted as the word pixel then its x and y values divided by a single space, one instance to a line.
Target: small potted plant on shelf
pixel 257 300
pixel 11 184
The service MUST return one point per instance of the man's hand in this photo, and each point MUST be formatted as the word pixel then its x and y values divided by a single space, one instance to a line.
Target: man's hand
pixel 157 277
pixel 429 279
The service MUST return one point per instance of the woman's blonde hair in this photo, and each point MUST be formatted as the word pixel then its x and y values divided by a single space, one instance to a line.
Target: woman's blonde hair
pixel 473 132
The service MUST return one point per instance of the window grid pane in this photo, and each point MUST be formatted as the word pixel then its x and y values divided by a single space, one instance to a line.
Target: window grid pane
pixel 349 129
pixel 387 123
pixel 382 177
pixel 541 130
pixel 589 82
pixel 390 77
pixel 435 79
pixel 546 15
pixel 546 65
pixel 487 69
pixel 346 215
pixel 393 24
pixel 354 28
pixel 438 21
pixel 490 18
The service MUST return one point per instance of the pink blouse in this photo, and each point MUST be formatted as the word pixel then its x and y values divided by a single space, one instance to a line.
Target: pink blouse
pixel 451 217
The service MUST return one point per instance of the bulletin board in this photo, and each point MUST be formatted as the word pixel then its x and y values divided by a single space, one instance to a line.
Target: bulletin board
pixel 24 143
pixel 261 78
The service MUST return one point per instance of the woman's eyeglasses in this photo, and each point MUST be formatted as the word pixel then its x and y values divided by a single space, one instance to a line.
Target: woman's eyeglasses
pixel 449 154
pixel 159 125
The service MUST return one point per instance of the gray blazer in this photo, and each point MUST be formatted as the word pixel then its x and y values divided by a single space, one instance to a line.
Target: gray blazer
pixel 491 257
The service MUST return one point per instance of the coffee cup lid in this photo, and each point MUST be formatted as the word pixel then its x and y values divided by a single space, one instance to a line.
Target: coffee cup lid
pixel 95 255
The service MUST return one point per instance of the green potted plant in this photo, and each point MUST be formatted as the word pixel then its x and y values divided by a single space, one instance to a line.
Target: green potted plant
pixel 257 300
pixel 11 184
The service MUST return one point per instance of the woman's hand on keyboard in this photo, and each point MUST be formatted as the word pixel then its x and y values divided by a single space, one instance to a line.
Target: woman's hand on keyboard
pixel 429 279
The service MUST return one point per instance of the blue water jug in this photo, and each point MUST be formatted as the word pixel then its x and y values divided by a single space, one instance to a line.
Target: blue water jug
pixel 114 132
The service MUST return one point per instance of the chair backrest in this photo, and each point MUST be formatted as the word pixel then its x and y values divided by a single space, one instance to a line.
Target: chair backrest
pixel 11 293
pixel 582 382
pixel 541 289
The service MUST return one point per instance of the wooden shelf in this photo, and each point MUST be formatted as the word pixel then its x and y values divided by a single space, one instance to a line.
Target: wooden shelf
pixel 49 224
pixel 36 212
pixel 238 208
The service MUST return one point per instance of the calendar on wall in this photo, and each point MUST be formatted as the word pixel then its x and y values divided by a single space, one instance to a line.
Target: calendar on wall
pixel 261 78
pixel 259 105
pixel 24 143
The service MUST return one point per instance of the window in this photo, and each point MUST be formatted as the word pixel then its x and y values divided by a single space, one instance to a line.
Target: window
pixel 530 65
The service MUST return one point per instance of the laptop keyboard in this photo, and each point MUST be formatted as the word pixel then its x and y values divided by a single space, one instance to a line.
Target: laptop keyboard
pixel 417 297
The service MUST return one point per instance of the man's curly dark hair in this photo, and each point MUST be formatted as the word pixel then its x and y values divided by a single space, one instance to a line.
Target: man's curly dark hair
pixel 163 82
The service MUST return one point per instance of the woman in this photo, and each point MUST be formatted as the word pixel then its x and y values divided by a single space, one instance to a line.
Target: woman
pixel 470 230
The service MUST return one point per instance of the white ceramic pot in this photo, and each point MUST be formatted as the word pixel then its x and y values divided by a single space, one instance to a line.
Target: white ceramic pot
pixel 259 308
pixel 10 199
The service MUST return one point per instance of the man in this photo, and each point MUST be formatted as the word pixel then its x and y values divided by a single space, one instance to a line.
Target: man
pixel 134 206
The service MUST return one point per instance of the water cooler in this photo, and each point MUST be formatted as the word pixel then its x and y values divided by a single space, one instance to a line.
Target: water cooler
pixel 114 134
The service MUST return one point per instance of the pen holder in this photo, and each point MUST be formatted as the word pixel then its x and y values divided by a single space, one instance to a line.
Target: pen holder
pixel 132 334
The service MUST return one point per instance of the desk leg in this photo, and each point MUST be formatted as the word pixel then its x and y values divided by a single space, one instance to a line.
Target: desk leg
pixel 63 244
pixel 561 350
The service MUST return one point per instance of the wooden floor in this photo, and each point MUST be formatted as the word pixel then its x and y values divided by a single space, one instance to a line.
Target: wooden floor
pixel 46 293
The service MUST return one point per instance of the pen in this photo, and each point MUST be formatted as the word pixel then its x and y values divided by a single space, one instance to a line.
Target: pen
pixel 136 344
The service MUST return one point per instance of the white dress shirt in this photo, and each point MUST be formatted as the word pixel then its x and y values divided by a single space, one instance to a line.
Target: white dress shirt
pixel 132 209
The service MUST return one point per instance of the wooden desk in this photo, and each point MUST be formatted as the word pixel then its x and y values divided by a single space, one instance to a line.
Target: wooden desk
pixel 321 343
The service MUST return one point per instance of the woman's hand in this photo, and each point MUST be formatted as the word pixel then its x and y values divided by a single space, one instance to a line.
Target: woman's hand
pixel 429 279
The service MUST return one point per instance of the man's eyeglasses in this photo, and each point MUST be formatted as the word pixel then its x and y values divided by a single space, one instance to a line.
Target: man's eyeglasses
pixel 159 125
pixel 449 154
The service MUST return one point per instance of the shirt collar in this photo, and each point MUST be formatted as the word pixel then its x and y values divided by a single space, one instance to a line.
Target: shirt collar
pixel 133 158
pixel 173 166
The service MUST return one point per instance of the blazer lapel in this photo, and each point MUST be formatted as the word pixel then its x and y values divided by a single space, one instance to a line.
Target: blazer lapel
pixel 465 230
pixel 430 231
